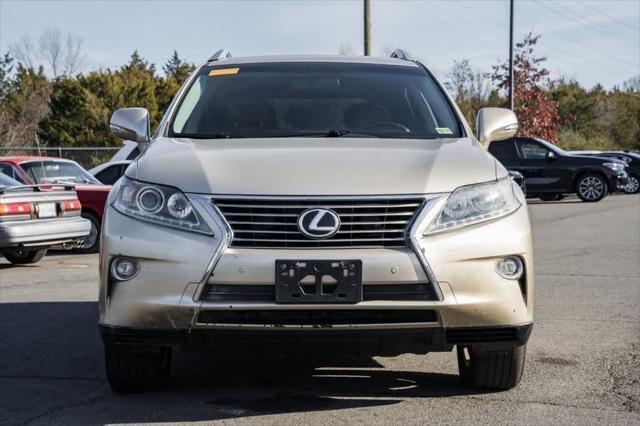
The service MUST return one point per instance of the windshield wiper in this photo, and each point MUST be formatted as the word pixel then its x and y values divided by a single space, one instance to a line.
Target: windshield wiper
pixel 332 133
pixel 220 135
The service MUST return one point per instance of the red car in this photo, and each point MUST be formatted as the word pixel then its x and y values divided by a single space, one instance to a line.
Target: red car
pixel 42 170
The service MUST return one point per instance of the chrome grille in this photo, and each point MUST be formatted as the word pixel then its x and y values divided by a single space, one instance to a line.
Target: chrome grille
pixel 268 222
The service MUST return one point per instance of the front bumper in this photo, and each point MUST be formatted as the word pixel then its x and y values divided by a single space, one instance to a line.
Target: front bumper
pixel 42 232
pixel 371 342
pixel 168 294
pixel 617 180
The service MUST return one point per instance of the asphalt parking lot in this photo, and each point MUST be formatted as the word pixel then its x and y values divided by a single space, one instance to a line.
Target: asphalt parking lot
pixel 583 360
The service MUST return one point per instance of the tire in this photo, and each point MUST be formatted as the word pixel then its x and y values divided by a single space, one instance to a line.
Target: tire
pixel 551 197
pixel 491 370
pixel 136 368
pixel 591 188
pixel 633 186
pixel 92 241
pixel 23 257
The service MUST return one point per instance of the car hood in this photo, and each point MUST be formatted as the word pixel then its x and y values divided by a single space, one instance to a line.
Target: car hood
pixel 595 159
pixel 315 166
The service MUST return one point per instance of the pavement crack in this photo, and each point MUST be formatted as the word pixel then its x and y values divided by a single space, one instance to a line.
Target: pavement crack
pixel 624 372
pixel 62 407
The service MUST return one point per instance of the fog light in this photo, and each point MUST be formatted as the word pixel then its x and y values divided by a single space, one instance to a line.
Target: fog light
pixel 123 269
pixel 510 267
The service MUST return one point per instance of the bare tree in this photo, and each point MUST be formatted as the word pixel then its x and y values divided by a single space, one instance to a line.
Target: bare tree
pixel 50 44
pixel 632 84
pixel 24 52
pixel 346 49
pixel 465 83
pixel 74 59
pixel 61 55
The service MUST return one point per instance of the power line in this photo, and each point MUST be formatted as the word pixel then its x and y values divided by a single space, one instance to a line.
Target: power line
pixel 594 25
pixel 613 18
pixel 590 48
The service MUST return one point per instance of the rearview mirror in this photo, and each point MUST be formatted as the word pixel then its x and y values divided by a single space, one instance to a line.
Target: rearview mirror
pixel 550 156
pixel 495 124
pixel 132 124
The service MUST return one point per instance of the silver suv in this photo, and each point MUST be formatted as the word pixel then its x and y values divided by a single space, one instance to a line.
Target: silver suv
pixel 315 202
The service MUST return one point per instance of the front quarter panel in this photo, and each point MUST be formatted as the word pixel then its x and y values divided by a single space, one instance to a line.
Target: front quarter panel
pixel 465 260
pixel 171 261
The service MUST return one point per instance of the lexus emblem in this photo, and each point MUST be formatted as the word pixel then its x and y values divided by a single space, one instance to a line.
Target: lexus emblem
pixel 318 223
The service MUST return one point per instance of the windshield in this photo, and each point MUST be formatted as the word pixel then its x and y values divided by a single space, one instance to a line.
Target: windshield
pixel 51 171
pixel 552 147
pixel 314 99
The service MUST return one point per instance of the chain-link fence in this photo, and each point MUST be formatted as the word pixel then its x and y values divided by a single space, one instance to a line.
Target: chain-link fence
pixel 87 157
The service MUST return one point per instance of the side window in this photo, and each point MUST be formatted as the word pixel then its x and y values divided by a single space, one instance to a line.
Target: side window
pixel 530 150
pixel 10 171
pixel 109 175
pixel 503 150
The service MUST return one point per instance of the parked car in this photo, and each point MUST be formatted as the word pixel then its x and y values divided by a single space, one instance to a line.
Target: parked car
pixel 129 151
pixel 336 201
pixel 46 170
pixel 519 179
pixel 109 173
pixel 33 218
pixel 632 160
pixel 551 172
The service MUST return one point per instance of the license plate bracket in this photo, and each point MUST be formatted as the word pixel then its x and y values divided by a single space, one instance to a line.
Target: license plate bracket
pixel 46 210
pixel 318 281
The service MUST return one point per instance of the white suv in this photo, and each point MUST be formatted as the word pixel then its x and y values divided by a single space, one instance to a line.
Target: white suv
pixel 334 201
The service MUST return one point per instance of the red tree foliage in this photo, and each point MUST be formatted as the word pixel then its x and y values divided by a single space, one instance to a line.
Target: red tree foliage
pixel 537 113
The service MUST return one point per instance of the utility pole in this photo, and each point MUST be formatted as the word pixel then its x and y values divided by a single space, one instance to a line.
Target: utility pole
pixel 511 55
pixel 367 28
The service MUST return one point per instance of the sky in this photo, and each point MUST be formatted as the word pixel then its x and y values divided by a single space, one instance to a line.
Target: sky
pixel 592 41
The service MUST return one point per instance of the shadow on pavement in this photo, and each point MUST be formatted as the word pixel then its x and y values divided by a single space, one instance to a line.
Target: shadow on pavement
pixel 51 369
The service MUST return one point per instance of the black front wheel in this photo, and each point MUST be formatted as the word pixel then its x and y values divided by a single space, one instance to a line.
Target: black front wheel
pixel 136 368
pixel 491 370
pixel 23 257
pixel 591 188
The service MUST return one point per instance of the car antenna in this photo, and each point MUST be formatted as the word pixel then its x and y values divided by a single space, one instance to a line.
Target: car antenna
pixel 44 173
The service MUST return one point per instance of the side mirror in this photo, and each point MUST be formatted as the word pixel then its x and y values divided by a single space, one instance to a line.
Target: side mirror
pixel 550 156
pixel 132 124
pixel 495 124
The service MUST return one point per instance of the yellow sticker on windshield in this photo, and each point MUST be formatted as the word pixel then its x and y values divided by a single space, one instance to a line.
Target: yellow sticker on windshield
pixel 223 71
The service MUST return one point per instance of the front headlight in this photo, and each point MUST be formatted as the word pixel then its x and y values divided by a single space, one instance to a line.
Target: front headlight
pixel 618 167
pixel 473 204
pixel 159 204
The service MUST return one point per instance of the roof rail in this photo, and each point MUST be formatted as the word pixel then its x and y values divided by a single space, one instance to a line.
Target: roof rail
pixel 220 54
pixel 400 54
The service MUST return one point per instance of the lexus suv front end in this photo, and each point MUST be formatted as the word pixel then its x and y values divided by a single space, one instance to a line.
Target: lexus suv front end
pixel 331 201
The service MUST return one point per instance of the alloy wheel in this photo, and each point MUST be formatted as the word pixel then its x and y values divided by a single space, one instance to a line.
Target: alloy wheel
pixel 632 186
pixel 90 239
pixel 591 187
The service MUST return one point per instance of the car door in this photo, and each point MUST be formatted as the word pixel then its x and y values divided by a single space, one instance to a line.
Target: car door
pixel 505 152
pixel 541 167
